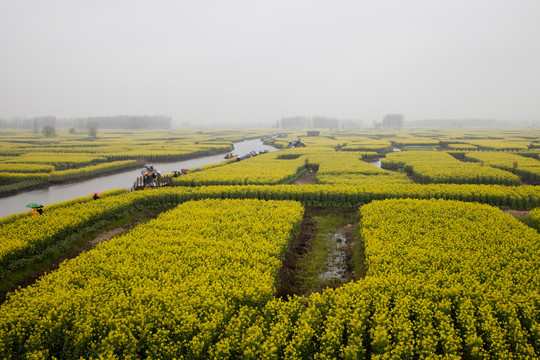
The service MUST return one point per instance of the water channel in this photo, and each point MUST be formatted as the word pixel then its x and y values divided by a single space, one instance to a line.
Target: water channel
pixel 56 193
pixel 377 162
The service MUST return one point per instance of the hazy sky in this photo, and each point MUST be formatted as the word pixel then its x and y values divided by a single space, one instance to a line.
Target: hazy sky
pixel 254 61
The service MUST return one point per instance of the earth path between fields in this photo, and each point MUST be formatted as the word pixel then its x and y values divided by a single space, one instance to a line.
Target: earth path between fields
pixel 309 177
pixel 517 213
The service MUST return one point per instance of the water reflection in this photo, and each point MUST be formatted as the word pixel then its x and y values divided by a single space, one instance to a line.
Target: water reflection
pixel 376 163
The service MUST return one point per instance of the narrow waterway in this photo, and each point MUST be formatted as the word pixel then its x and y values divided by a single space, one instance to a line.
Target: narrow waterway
pixel 377 162
pixel 56 193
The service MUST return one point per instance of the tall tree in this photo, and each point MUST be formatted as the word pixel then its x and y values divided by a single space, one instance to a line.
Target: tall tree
pixel 393 121
pixel 92 129
pixel 49 131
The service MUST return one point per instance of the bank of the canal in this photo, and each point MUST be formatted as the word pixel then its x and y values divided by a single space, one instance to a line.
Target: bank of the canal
pixel 125 179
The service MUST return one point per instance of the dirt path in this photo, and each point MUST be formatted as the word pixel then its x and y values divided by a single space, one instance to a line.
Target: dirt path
pixel 530 182
pixel 517 213
pixel 413 179
pixel 300 244
pixel 309 177
pixel 90 244
pixel 353 242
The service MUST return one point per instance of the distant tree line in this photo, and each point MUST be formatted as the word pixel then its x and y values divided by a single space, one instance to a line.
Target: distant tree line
pixel 130 122
pixel 318 122
pixel 390 121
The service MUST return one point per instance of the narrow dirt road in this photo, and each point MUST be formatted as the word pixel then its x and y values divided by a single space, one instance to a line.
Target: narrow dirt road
pixel 517 213
pixel 309 177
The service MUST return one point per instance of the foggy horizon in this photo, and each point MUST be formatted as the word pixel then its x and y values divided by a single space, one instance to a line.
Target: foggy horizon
pixel 254 62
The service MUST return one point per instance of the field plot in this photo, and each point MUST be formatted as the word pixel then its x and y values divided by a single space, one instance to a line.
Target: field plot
pixel 440 167
pixel 525 167
pixel 348 168
pixel 415 141
pixel 499 144
pixel 168 287
pixel 262 169
pixel 364 144
pixel 533 152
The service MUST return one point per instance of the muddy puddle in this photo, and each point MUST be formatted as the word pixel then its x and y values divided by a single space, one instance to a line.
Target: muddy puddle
pixel 337 258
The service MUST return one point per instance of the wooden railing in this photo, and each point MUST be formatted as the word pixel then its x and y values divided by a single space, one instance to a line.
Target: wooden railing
pixel 140 184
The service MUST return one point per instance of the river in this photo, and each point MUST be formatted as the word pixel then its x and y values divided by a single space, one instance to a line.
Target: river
pixel 56 193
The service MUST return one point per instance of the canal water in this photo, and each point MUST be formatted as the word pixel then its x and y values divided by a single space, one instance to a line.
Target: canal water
pixel 377 162
pixel 56 193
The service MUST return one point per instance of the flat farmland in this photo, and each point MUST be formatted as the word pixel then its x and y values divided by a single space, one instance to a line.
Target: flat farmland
pixel 310 252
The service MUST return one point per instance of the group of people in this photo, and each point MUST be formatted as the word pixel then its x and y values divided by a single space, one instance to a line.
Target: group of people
pixel 250 155
pixel 150 174
pixel 245 156
pixel 295 143
pixel 177 173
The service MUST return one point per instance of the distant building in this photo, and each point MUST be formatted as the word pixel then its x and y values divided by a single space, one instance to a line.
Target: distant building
pixel 313 133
